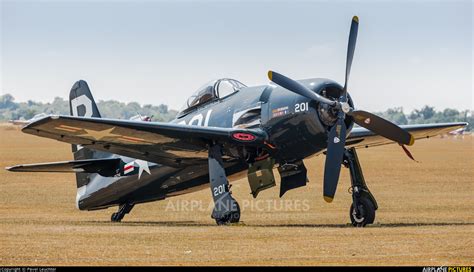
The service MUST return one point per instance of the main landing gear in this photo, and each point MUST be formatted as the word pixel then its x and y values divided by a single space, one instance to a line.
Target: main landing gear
pixel 122 211
pixel 362 211
pixel 226 209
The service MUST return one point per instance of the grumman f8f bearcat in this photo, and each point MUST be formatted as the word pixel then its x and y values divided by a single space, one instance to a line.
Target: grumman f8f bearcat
pixel 225 130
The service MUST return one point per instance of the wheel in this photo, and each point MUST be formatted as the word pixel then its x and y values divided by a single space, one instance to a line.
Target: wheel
pixel 235 215
pixel 366 213
pixel 232 217
pixel 116 217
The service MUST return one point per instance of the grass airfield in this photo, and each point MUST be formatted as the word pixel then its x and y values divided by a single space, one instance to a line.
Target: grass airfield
pixel 425 215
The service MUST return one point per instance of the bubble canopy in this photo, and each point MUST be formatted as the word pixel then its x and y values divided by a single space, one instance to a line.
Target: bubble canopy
pixel 215 89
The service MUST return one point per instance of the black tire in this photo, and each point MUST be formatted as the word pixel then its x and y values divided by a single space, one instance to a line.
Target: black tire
pixel 232 217
pixel 115 217
pixel 367 213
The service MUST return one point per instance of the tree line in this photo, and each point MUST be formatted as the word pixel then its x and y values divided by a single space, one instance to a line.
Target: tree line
pixel 428 114
pixel 11 110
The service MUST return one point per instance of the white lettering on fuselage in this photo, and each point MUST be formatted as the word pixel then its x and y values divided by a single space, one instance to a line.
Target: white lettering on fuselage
pixel 197 120
pixel 300 107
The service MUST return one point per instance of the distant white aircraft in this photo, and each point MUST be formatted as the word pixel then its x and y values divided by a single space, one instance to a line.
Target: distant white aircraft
pixel 460 131
pixel 140 117
pixel 22 120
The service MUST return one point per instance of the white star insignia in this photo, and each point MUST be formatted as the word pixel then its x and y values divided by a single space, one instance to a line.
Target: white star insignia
pixel 142 166
pixel 99 134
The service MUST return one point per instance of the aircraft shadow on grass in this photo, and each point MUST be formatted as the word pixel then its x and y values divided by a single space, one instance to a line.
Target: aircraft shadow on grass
pixel 243 224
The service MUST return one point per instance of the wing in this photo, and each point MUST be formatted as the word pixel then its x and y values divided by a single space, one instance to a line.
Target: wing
pixel 105 167
pixel 164 143
pixel 361 137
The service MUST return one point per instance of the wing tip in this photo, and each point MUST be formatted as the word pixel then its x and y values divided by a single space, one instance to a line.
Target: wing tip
pixel 11 168
pixel 36 122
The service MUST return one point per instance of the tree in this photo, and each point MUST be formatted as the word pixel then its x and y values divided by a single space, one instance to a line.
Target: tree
pixel 427 112
pixel 163 108
pixel 396 116
pixel 7 102
pixel 415 114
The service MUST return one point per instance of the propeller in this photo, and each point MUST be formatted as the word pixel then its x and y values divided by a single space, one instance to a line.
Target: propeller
pixel 337 133
pixel 297 87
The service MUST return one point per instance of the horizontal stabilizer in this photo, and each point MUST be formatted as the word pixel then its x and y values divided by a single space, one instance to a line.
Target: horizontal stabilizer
pixel 105 167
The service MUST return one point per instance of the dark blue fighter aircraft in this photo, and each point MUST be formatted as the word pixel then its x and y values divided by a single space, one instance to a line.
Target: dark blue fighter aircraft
pixel 225 131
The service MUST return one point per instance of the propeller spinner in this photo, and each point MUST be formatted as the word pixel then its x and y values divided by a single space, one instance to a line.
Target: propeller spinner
pixel 337 133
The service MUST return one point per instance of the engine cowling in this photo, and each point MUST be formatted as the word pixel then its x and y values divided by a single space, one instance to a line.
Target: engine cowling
pixel 297 126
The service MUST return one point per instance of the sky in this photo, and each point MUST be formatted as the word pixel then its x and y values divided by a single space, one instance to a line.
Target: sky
pixel 408 54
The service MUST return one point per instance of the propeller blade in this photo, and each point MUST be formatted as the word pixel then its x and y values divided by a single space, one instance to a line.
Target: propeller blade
pixel 296 87
pixel 408 153
pixel 350 50
pixel 382 127
pixel 334 154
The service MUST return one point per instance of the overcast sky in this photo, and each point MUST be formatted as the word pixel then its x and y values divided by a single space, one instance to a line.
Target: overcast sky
pixel 409 53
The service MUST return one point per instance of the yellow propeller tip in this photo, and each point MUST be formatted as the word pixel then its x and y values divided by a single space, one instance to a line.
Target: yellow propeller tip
pixel 412 140
pixel 356 19
pixel 328 199
pixel 270 75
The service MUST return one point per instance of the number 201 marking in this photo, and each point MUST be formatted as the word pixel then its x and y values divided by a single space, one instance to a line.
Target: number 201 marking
pixel 299 107
pixel 219 190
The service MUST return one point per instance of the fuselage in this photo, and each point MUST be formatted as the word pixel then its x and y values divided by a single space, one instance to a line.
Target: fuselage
pixel 292 122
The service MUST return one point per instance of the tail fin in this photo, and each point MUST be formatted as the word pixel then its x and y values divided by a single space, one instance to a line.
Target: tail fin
pixel 81 103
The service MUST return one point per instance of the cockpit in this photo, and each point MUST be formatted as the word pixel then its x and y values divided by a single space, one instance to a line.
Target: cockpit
pixel 216 89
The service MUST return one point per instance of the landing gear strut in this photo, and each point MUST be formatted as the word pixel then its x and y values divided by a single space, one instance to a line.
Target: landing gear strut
pixel 122 211
pixel 226 209
pixel 362 211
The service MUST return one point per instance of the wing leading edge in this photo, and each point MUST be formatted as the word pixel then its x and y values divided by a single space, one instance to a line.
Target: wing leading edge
pixel 361 137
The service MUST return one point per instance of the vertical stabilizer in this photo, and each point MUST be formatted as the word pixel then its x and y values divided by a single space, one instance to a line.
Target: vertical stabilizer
pixel 81 103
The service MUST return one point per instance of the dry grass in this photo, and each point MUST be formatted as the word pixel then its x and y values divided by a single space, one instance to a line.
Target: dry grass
pixel 425 216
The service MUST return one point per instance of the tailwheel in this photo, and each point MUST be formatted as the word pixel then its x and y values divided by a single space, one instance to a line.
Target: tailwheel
pixel 122 211
pixel 364 214
pixel 232 217
pixel 115 217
